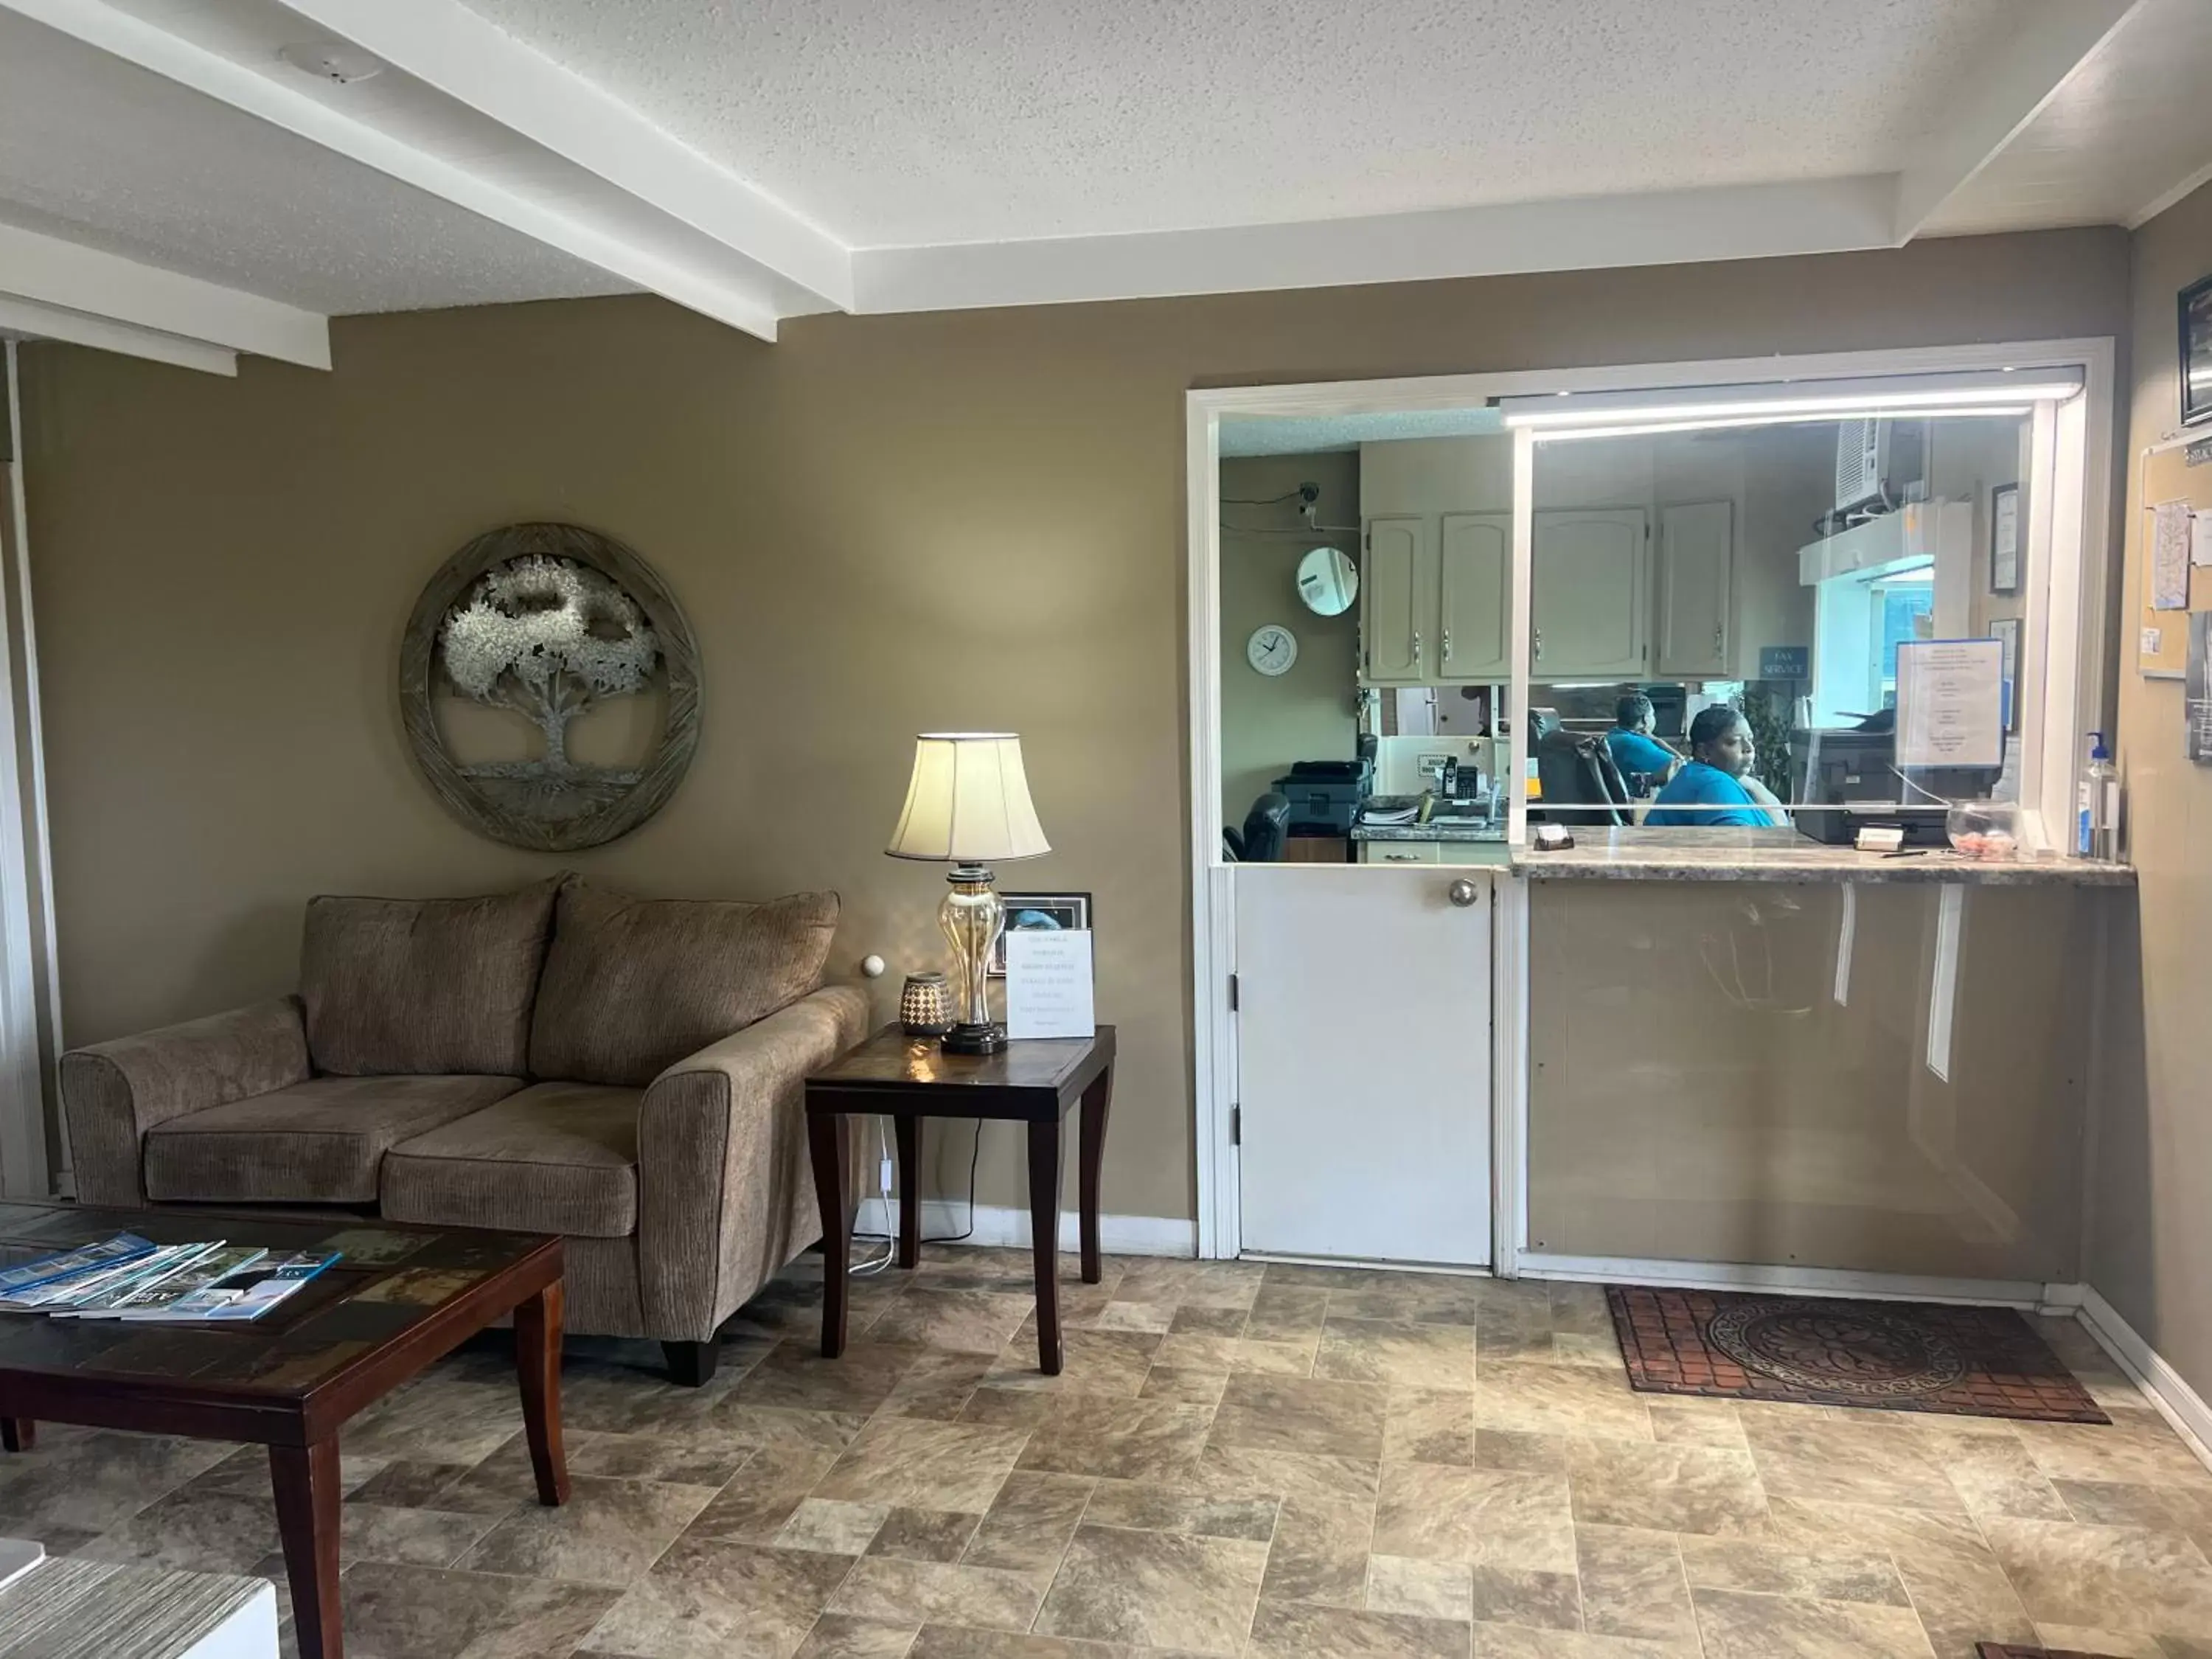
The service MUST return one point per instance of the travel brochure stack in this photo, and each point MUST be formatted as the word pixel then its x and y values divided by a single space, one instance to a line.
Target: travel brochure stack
pixel 127 1277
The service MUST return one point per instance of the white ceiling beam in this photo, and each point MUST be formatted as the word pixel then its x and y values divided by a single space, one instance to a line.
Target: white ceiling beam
pixel 563 217
pixel 65 276
pixel 1578 234
pixel 452 48
pixel 27 319
pixel 2047 41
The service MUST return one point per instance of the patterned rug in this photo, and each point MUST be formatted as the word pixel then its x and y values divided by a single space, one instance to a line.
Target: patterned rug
pixel 1888 1356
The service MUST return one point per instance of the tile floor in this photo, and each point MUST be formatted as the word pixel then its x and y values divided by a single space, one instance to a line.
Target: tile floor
pixel 1239 1459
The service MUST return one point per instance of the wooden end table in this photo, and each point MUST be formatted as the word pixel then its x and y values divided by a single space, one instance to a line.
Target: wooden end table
pixel 399 1298
pixel 909 1078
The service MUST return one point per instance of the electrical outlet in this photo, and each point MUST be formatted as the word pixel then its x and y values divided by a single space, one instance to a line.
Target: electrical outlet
pixel 884 1177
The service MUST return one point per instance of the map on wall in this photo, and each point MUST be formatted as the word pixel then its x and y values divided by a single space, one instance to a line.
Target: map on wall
pixel 526 642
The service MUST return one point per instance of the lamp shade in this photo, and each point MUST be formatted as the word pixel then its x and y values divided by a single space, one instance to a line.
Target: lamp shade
pixel 968 801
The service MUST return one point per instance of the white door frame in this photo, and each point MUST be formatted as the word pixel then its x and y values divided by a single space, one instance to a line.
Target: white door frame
pixel 2079 565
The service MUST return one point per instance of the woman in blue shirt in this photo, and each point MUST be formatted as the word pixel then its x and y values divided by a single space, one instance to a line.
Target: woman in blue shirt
pixel 1633 749
pixel 1715 787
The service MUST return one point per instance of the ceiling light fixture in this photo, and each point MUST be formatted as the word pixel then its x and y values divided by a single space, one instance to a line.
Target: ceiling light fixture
pixel 1654 428
pixel 332 61
pixel 1809 399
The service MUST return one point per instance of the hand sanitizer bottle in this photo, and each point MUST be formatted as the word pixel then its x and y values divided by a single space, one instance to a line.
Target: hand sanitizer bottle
pixel 2097 805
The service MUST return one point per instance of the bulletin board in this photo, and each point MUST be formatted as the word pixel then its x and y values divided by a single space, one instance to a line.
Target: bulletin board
pixel 2167 477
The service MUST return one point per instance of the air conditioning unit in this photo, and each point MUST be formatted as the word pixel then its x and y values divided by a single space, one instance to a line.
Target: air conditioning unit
pixel 1880 463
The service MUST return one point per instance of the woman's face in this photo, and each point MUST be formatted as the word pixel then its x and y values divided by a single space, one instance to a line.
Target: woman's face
pixel 1732 753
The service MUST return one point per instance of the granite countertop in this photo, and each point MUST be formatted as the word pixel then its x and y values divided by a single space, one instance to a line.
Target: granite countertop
pixel 1440 829
pixel 1603 853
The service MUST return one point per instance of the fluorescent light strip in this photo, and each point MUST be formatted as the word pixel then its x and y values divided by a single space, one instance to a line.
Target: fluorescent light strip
pixel 1812 400
pixel 1650 429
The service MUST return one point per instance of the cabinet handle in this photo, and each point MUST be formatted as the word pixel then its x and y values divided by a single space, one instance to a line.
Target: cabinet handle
pixel 1463 893
pixel 1718 642
pixel 1539 645
pixel 1447 656
pixel 1417 648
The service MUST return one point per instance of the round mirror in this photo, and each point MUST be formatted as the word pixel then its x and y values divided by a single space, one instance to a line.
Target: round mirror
pixel 1328 581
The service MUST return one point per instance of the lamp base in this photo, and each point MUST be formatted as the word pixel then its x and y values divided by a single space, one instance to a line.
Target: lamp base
pixel 966 1039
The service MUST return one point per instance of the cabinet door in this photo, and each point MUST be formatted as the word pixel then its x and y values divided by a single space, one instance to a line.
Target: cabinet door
pixel 1697 592
pixel 1474 560
pixel 1590 593
pixel 1397 602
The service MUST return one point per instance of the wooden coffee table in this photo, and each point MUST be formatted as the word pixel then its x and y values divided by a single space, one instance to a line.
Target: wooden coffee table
pixel 400 1298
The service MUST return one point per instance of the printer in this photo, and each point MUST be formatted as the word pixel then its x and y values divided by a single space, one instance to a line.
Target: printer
pixel 1325 795
pixel 1853 773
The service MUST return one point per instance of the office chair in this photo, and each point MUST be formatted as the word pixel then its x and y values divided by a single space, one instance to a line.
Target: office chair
pixel 1266 828
pixel 1580 782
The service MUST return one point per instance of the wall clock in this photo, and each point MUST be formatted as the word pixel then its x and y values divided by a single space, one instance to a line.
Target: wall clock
pixel 1271 649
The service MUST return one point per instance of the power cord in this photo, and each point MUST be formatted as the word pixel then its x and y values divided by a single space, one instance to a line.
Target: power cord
pixel 975 1157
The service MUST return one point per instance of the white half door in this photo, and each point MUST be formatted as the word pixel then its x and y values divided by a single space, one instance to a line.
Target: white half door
pixel 1363 1054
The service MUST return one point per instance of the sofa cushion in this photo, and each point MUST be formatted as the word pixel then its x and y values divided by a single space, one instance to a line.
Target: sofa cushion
pixel 558 1157
pixel 317 1142
pixel 632 986
pixel 423 986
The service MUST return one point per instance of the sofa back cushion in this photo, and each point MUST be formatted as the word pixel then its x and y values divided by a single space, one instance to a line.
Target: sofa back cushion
pixel 422 986
pixel 633 985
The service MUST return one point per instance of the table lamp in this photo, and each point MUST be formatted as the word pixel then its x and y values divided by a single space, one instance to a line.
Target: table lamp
pixel 968 804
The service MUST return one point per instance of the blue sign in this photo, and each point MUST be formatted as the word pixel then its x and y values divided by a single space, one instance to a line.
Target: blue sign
pixel 1785 662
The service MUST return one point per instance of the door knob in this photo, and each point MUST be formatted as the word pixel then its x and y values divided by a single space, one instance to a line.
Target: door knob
pixel 1462 892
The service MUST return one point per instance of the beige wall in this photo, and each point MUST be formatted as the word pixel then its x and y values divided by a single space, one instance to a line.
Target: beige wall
pixel 1307 714
pixel 879 526
pixel 2150 1219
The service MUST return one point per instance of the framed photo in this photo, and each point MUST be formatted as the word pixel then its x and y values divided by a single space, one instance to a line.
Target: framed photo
pixel 2196 307
pixel 1033 910
pixel 2006 631
pixel 2004 539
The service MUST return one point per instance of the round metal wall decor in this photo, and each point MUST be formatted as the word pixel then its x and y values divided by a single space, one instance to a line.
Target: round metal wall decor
pixel 549 620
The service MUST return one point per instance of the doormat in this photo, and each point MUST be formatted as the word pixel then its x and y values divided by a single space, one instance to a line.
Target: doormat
pixel 2021 1650
pixel 1887 1356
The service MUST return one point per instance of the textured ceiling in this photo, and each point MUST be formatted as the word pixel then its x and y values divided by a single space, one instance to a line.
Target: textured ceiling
pixel 101 153
pixel 972 120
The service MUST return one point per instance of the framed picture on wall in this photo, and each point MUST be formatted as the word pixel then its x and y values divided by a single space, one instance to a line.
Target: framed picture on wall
pixel 1026 911
pixel 2006 631
pixel 2004 539
pixel 2196 352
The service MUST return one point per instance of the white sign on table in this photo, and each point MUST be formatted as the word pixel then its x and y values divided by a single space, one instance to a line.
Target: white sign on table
pixel 1950 702
pixel 1049 990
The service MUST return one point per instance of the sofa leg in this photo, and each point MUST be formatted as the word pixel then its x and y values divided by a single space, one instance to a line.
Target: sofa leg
pixel 691 1364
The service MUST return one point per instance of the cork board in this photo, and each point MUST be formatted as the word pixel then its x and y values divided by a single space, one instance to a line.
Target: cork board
pixel 2167 477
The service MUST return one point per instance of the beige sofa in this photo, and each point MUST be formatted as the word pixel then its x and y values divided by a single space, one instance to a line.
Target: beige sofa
pixel 625 1073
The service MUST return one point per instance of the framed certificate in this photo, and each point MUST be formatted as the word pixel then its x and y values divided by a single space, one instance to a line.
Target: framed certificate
pixel 2004 539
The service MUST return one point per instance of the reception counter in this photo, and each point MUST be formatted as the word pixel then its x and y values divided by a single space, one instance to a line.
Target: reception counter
pixel 1783 855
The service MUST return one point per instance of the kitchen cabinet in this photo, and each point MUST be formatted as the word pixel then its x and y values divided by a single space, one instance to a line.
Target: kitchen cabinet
pixel 1474 595
pixel 1397 585
pixel 1590 571
pixel 1696 590
pixel 1434 596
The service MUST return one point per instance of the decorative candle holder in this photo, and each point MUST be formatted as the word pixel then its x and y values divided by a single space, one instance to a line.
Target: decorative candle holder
pixel 926 1005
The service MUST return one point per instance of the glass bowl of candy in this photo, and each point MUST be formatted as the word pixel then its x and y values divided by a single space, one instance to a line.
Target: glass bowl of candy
pixel 1983 829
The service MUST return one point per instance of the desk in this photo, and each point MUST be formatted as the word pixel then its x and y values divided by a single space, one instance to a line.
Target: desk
pixel 909 1078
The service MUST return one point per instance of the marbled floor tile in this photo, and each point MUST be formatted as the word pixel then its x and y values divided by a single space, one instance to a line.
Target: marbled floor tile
pixel 2114 1577
pixel 709 1598
pixel 428 1612
pixel 96 1480
pixel 1158 1317
pixel 1117 1439
pixel 1425 1425
pixel 1213 1322
pixel 1666 1488
pixel 1182 1383
pixel 2115 1644
pixel 950 1642
pixel 1147 1507
pixel 2131 1448
pixel 832 1527
pixel 1516 1449
pixel 1514 1331
pixel 1686 1418
pixel 1301 1629
pixel 1522 1595
pixel 607 1533
pixel 405 1483
pixel 1189 1283
pixel 695 1459
pixel 1318 1552
pixel 1234 1472
pixel 1994 1475
pixel 1155 1589
pixel 1579 1309
pixel 247 1470
pixel 794 1374
pixel 914 1535
pixel 1736 1625
pixel 2128 1503
pixel 1282 1313
pixel 1602 1353
pixel 1518 1642
pixel 1397 1352
pixel 631 1400
pixel 1536 1397
pixel 1028 1522
pixel 1092 1362
pixel 836 1636
pixel 939 1385
pixel 1423 1298
pixel 892 1591
pixel 993 1407
pixel 194 1529
pixel 753 1507
pixel 760 1427
pixel 1290 1357
pixel 1493 1517
pixel 1832 1461
pixel 1199 1351
pixel 1837 1574
pixel 963 1322
pixel 1301 1415
pixel 440 1422
pixel 1632 1584
pixel 924 1464
pixel 1426 1590
pixel 408 1537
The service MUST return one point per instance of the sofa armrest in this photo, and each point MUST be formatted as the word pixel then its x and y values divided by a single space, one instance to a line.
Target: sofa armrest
pixel 726 1194
pixel 113 1092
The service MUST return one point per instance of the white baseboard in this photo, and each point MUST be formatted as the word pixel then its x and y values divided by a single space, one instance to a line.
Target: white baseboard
pixel 1002 1225
pixel 1803 1281
pixel 2179 1404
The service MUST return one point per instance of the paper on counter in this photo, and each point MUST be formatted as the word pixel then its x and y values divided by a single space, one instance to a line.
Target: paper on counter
pixel 1950 702
pixel 2169 556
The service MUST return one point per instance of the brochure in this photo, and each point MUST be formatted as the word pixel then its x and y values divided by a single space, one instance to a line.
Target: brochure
pixel 19 1281
pixel 114 1288
pixel 211 1269
pixel 242 1296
